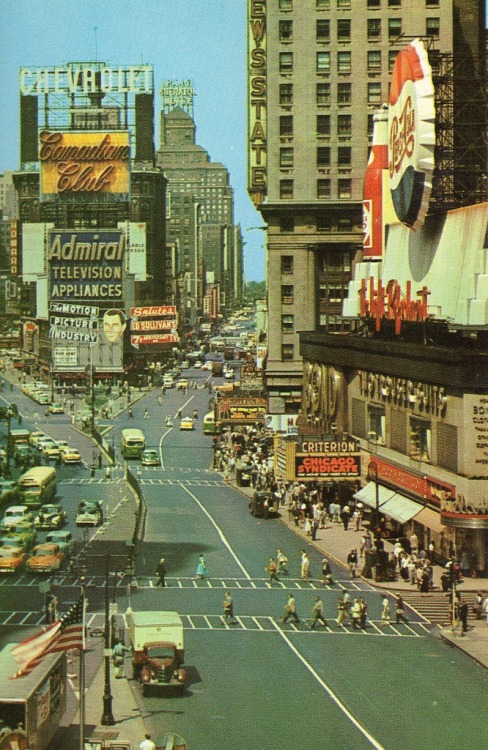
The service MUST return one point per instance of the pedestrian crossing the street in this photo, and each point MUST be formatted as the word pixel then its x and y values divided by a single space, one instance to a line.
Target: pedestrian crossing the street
pixel 248 623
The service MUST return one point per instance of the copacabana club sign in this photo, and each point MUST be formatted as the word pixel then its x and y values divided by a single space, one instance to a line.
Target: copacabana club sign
pixel 411 134
pixel 77 162
pixel 87 78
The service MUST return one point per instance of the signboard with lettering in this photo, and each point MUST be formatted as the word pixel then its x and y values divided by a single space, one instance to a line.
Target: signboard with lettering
pixel 86 78
pixel 257 119
pixel 78 162
pixel 337 466
pixel 155 338
pixel 65 356
pixel 86 266
pixel 241 410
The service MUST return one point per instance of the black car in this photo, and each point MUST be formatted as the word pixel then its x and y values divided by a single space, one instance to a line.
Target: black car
pixel 263 504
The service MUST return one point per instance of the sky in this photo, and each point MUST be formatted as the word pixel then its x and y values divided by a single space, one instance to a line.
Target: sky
pixel 200 40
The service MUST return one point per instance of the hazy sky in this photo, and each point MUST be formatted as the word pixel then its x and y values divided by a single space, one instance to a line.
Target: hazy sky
pixel 200 40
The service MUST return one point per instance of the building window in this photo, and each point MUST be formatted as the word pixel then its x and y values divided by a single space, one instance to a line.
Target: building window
pixel 323 189
pixel 343 3
pixel 286 124
pixel 344 125
pixel 374 60
pixel 432 3
pixel 286 189
pixel 322 4
pixel 286 62
pixel 392 56
pixel 344 62
pixel 286 4
pixel 394 3
pixel 344 156
pixel 344 29
pixel 286 352
pixel 344 93
pixel 323 62
pixel 344 224
pixel 344 188
pixel 394 28
pixel 376 424
pixel 287 264
pixel 370 127
pixel 323 156
pixel 286 31
pixel 323 93
pixel 286 294
pixel 323 30
pixel 374 3
pixel 286 93
pixel 374 28
pixel 323 124
pixel 324 223
pixel 420 444
pixel 433 26
pixel 287 224
pixel 374 93
pixel 287 323
pixel 286 157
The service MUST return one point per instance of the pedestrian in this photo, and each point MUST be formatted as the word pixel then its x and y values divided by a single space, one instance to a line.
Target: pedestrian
pixel 100 461
pixel 118 652
pixel 169 422
pixel 290 609
pixel 352 561
pixel 108 473
pixel 272 569
pixel 130 414
pixel 463 616
pixel 318 613
pixel 342 612
pixel 364 612
pixel 202 571
pixel 146 413
pixel 228 610
pixel 345 515
pixel 161 573
pixel 179 413
pixel 305 571
pixel 385 612
pixel 356 614
pixel 282 562
pixel 326 572
pixel 399 610
pixel 51 608
pixel 147 743
pixel 160 400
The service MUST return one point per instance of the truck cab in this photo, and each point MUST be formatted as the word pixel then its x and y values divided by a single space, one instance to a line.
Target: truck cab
pixel 156 640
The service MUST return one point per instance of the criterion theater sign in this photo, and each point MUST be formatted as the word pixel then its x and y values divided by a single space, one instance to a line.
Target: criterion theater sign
pixel 78 162
pixel 327 458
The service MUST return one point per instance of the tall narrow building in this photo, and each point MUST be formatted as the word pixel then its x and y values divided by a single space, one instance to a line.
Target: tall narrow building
pixel 317 71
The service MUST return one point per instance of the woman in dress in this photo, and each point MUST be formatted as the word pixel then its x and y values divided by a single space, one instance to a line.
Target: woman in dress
pixel 201 567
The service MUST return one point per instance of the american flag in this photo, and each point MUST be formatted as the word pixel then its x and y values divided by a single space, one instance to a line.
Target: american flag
pixel 64 634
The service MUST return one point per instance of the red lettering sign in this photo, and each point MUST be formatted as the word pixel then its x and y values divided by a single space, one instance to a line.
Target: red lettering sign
pixel 392 302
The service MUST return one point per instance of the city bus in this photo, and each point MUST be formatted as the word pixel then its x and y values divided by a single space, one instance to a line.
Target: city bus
pixel 37 486
pixel 132 443
pixel 209 425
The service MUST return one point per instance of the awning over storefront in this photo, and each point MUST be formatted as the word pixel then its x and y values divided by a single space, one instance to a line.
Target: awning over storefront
pixel 367 494
pixel 431 519
pixel 400 508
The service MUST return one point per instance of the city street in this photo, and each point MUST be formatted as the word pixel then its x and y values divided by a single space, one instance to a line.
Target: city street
pixel 257 683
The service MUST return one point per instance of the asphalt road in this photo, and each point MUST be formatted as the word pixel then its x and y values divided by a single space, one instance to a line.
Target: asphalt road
pixel 259 684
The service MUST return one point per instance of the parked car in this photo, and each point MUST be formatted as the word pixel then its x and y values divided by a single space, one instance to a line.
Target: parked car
pixel 50 516
pixel 55 408
pixel 182 384
pixel 21 534
pixel 187 423
pixel 70 456
pixel 36 437
pixel 45 558
pixel 150 458
pixel 64 540
pixel 8 489
pixel 89 513
pixel 51 450
pixel 263 504
pixel 14 514
pixel 11 559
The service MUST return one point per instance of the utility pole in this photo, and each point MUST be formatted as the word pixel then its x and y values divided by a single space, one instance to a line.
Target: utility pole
pixel 107 716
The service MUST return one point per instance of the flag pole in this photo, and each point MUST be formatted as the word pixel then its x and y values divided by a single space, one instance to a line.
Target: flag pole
pixel 82 664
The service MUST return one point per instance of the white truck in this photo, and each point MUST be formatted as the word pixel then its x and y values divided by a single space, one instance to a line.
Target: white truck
pixel 156 641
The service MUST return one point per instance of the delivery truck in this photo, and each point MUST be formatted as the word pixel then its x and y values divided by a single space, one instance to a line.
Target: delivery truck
pixel 156 642
pixel 31 707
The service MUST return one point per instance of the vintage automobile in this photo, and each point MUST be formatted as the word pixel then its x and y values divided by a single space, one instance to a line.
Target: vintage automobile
pixel 8 490
pixel 13 515
pixel 70 456
pixel 50 516
pixel 182 384
pixel 11 559
pixel 150 458
pixel 55 408
pixel 89 513
pixel 263 504
pixel 22 534
pixel 51 450
pixel 64 540
pixel 36 436
pixel 45 558
pixel 187 423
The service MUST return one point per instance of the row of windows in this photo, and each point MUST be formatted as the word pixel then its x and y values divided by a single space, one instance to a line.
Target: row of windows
pixel 326 4
pixel 324 189
pixel 344 156
pixel 332 262
pixel 344 123
pixel 324 223
pixel 344 27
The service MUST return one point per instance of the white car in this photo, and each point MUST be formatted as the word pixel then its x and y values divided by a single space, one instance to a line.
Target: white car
pixel 14 515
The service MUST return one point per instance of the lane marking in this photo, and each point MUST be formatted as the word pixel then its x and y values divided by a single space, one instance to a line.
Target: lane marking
pixel 330 692
pixel 219 531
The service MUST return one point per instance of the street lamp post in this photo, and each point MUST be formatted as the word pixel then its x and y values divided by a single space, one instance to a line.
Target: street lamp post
pixel 107 716
pixel 373 473
pixel 8 418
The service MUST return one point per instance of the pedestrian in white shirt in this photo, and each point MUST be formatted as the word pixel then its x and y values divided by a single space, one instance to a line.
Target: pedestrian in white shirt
pixel 147 743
